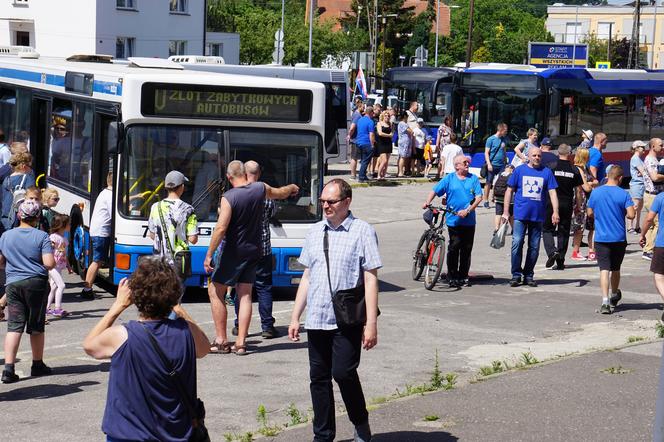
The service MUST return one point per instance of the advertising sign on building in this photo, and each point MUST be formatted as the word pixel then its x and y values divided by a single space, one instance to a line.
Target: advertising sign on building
pixel 557 55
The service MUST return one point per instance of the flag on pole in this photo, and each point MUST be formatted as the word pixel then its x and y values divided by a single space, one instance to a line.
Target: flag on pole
pixel 361 83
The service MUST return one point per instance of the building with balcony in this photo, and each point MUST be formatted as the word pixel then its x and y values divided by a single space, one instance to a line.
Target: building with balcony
pixel 570 23
pixel 121 28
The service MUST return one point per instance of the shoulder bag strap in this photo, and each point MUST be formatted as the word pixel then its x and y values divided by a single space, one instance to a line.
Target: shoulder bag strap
pixel 165 238
pixel 326 247
pixel 172 373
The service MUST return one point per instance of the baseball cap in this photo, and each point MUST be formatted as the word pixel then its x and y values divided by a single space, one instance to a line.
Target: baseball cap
pixel 546 141
pixel 29 209
pixel 638 143
pixel 174 179
pixel 588 133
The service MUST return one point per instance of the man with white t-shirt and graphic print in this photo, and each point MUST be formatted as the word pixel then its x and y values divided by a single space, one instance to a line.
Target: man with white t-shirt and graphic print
pixel 529 183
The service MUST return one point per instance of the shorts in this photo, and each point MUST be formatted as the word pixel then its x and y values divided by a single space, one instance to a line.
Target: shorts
pixel 636 190
pixel 657 263
pixel 500 207
pixel 230 273
pixel 26 305
pixel 100 246
pixel 491 174
pixel 610 255
pixel 355 152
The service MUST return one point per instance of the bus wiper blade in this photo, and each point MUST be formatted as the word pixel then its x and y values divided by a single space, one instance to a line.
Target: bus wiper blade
pixel 213 186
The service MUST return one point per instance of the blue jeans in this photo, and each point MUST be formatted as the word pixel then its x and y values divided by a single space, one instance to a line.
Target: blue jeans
pixel 263 285
pixel 534 231
pixel 366 152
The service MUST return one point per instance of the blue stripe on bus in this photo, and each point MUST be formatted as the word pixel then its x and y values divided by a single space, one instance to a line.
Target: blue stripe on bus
pixel 102 87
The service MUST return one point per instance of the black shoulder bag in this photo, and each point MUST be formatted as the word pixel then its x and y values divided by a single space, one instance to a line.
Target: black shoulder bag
pixel 350 309
pixel 199 432
pixel 485 168
pixel 182 258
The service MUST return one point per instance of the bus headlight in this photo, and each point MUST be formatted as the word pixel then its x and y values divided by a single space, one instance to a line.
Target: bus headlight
pixel 294 265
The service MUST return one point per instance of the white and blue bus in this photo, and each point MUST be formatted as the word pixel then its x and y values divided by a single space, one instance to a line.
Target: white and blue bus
pixel 337 104
pixel 85 116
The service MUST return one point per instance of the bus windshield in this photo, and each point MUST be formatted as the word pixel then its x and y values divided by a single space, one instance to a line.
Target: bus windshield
pixel 202 153
pixel 481 110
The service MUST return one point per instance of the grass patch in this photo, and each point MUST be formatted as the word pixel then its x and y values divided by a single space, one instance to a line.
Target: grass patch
pixel 246 437
pixel 632 339
pixel 379 400
pixel 431 418
pixel 528 358
pixel 296 417
pixel 659 329
pixel 264 426
pixel 495 367
pixel 617 370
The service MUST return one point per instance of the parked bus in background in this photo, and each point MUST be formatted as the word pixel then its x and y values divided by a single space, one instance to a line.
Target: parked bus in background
pixel 559 103
pixel 337 105
pixel 85 115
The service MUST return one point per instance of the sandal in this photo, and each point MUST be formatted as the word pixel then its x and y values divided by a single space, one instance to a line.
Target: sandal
pixel 241 350
pixel 220 348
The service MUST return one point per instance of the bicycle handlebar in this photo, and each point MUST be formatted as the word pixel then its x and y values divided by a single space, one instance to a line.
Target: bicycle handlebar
pixel 442 209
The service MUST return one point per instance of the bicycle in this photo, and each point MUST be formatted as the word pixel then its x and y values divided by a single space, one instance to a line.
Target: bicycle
pixel 429 255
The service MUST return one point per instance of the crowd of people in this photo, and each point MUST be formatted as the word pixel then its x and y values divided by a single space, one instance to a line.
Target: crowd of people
pixel 548 198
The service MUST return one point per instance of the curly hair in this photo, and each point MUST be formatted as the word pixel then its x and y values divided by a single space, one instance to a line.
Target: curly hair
pixel 20 158
pixel 155 287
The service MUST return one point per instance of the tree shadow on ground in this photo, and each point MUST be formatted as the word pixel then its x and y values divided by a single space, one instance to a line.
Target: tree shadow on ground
pixel 413 436
pixel 44 391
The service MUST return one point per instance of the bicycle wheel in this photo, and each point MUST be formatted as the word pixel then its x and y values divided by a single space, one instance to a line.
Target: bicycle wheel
pixel 434 265
pixel 420 256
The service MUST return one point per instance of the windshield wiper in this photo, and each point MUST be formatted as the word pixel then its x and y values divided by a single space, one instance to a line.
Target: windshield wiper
pixel 219 183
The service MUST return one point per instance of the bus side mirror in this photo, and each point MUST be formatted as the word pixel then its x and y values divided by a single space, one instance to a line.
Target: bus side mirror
pixel 331 138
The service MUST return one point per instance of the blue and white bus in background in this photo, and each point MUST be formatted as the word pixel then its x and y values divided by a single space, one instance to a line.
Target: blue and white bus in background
pixel 337 104
pixel 85 115
pixel 625 104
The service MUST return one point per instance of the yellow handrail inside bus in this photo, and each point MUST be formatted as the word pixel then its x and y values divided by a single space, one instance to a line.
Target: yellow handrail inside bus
pixel 38 178
pixel 152 194
pixel 136 183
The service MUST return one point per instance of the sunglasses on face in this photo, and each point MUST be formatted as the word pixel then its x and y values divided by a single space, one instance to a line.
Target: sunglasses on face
pixel 330 202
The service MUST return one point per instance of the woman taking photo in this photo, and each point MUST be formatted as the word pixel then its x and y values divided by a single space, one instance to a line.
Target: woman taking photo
pixel 384 145
pixel 580 222
pixel 636 185
pixel 405 145
pixel 143 402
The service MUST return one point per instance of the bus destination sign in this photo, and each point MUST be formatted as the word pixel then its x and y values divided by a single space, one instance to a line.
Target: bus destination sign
pixel 226 103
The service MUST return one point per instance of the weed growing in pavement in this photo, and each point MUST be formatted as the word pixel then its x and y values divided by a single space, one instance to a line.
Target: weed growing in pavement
pixel 659 329
pixel 617 370
pixel 228 437
pixel 450 381
pixel 632 339
pixel 496 367
pixel 295 415
pixel 246 437
pixel 431 418
pixel 265 429
pixel 437 381
pixel 527 358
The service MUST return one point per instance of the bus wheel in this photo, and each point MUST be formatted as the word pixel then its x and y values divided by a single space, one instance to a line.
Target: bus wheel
pixel 77 243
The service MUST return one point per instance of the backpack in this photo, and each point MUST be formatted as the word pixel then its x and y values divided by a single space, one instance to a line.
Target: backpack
pixel 18 196
pixel 500 187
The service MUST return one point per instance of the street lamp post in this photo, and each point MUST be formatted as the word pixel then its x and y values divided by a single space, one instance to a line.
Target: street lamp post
pixel 311 26
pixel 469 44
pixel 435 58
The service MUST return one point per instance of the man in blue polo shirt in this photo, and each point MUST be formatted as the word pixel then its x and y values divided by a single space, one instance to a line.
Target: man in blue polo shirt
pixel 609 205
pixel 657 261
pixel 495 156
pixel 529 183
pixel 596 161
pixel 365 140
pixel 464 193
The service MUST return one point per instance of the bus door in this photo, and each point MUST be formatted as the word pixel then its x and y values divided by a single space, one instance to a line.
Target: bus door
pixel 105 141
pixel 39 137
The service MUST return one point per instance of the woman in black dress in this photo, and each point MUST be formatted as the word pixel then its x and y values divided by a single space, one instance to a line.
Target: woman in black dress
pixel 384 144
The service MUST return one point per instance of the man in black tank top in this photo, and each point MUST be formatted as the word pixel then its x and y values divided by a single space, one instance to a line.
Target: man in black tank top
pixel 239 224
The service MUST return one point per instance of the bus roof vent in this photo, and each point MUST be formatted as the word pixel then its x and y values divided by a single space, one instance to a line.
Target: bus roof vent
pixel 91 58
pixel 154 63
pixel 197 59
pixel 337 76
pixel 21 51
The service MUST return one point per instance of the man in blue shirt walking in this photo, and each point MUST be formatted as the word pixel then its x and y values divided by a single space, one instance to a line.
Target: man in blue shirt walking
pixel 464 193
pixel 495 155
pixel 609 205
pixel 529 183
pixel 596 160
pixel 366 139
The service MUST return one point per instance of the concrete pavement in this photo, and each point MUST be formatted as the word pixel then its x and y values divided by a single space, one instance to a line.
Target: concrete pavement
pixel 470 328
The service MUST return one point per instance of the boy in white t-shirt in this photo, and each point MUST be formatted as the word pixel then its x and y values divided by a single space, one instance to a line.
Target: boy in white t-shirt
pixel 100 235
pixel 447 155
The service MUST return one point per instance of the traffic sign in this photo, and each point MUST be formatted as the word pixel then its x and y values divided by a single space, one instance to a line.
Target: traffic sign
pixel 603 65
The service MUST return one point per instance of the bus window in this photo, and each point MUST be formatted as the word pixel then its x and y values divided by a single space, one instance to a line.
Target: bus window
pixel 22 128
pixel 657 117
pixel 615 118
pixel 638 117
pixel 59 164
pixel 153 151
pixel 286 158
pixel 81 151
pixel 589 112
pixel 7 111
